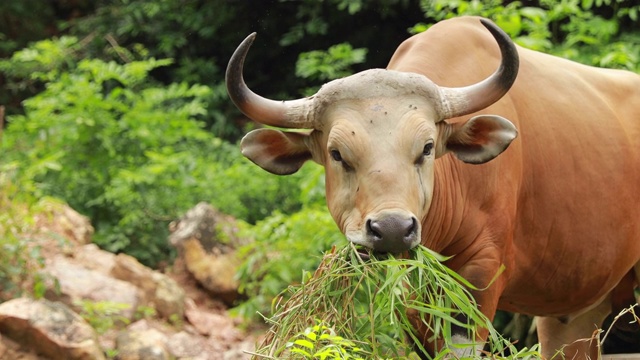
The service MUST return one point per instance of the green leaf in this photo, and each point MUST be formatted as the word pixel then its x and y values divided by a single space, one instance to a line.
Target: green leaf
pixel 304 343
pixel 301 352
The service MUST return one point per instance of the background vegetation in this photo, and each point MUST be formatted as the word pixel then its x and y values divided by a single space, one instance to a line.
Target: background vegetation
pixel 118 107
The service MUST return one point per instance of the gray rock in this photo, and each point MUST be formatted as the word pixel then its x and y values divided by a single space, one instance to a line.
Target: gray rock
pixel 50 328
pixel 61 219
pixel 94 258
pixel 184 345
pixel 207 240
pixel 143 344
pixel 166 296
pixel 77 283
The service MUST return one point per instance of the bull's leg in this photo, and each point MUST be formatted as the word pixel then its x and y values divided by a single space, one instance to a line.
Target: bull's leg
pixel 480 268
pixel 622 329
pixel 573 337
pixel 481 271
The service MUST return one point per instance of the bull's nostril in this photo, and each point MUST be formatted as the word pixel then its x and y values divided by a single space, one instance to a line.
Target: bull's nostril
pixel 373 228
pixel 412 229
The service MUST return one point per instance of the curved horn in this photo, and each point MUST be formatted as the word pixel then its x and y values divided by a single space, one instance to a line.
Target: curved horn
pixel 469 99
pixel 288 114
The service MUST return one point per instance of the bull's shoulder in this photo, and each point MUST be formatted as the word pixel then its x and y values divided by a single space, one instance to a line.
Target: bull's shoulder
pixel 449 47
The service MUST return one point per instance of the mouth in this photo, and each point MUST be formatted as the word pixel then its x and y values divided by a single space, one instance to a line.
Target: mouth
pixel 363 253
pixel 366 254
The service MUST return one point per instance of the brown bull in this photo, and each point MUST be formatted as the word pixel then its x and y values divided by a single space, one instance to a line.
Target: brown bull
pixel 558 208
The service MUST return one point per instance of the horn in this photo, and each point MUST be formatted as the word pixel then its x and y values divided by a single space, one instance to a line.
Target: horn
pixel 287 114
pixel 469 99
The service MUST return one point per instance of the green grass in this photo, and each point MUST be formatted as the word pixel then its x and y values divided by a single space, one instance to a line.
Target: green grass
pixel 355 308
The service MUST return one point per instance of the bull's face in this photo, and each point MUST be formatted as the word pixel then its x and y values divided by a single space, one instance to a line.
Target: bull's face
pixel 378 134
pixel 379 159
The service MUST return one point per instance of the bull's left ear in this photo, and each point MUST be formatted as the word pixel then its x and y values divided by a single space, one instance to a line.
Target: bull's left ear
pixel 480 138
pixel 278 152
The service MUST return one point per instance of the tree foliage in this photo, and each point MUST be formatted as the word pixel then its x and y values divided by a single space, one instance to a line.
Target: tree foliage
pixel 129 152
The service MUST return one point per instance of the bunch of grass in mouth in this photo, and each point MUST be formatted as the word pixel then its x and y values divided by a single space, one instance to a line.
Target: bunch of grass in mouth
pixel 355 306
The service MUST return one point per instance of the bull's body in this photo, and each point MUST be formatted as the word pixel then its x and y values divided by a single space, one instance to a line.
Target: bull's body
pixel 559 208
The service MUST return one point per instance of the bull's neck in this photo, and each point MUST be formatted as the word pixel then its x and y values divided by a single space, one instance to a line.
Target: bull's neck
pixel 444 218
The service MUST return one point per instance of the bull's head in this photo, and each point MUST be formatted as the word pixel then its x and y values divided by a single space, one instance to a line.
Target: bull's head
pixel 378 134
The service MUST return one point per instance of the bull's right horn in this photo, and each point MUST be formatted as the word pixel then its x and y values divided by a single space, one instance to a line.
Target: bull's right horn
pixel 467 100
pixel 287 114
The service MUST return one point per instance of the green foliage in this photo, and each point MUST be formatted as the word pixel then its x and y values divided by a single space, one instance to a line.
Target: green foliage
pixel 371 300
pixel 116 147
pixel 332 64
pixel 285 247
pixel 245 191
pixel 572 29
pixel 321 342
pixel 20 260
pixel 145 312
pixel 183 30
pixel 318 18
pixel 128 152
pixel 102 315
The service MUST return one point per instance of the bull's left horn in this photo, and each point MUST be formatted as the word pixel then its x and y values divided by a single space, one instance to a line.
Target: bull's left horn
pixel 469 99
pixel 287 114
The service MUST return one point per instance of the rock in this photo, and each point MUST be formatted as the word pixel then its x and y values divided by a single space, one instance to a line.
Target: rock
pixel 144 344
pixel 80 274
pixel 77 283
pixel 11 350
pixel 208 323
pixel 206 240
pixel 92 257
pixel 50 328
pixel 166 296
pixel 217 232
pixel 217 274
pixel 60 219
pixel 241 350
pixel 184 345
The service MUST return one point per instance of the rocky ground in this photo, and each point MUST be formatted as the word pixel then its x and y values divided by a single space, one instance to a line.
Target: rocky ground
pixel 98 305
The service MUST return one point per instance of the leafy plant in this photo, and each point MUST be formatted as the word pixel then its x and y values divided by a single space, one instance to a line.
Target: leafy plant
pixel 328 65
pixel 20 260
pixel 102 315
pixel 286 246
pixel 128 152
pixel 145 312
pixel 371 300
pixel 321 342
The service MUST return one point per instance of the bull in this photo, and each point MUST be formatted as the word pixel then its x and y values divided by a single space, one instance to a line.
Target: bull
pixel 535 166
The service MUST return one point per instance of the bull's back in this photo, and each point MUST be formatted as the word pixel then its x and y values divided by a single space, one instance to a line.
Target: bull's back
pixel 577 158
pixel 577 231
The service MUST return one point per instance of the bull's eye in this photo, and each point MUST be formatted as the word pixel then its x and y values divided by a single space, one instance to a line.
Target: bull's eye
pixel 335 155
pixel 428 148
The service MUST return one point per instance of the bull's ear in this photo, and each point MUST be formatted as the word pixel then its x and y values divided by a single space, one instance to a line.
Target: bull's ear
pixel 480 138
pixel 280 153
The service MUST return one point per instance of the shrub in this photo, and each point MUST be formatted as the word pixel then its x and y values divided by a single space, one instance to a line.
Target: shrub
pixel 286 246
pixel 129 153
pixel 20 261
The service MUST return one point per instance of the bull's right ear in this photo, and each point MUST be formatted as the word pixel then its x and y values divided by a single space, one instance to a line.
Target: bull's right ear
pixel 278 152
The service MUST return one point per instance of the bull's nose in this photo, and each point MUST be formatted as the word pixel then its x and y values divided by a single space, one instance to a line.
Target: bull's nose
pixel 392 233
